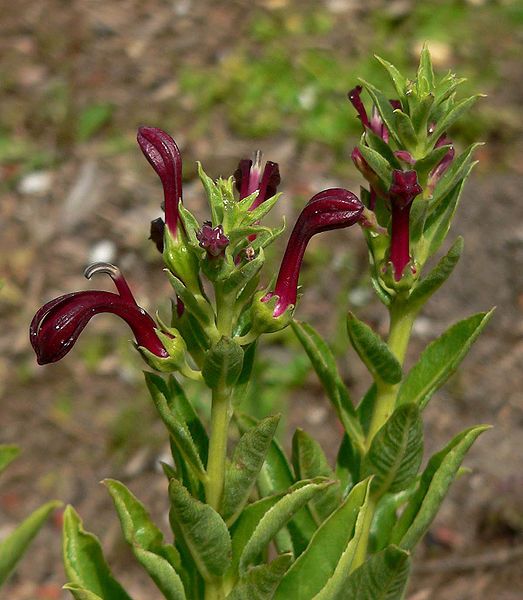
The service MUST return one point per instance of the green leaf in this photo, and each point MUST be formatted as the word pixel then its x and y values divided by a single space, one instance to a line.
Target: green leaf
pixel 373 351
pixel 242 530
pixel 384 108
pixel 13 547
pixel 324 364
pixel 316 565
pixel 178 429
pixel 458 169
pixel 438 222
pixel 276 476
pixel 309 462
pixel 396 451
pixel 196 304
pixel 276 517
pixel 7 455
pixel 261 581
pixel 435 279
pixel 378 164
pixel 222 364
pixel 399 81
pixel 451 117
pixel 436 479
pixel 241 388
pixel 248 458
pixel 425 72
pixel 184 410
pixel 214 196
pixel 335 586
pixel 383 576
pixel 84 562
pixel 202 529
pixel 420 114
pixel 365 408
pixel 425 165
pixel 160 560
pixel 440 359
pixel 80 593
pixel 405 129
pixel 253 216
pixel 377 143
pixel 347 465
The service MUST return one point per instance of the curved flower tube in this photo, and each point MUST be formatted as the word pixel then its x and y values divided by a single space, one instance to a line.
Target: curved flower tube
pixel 163 154
pixel 375 123
pixel 249 177
pixel 334 208
pixel 58 324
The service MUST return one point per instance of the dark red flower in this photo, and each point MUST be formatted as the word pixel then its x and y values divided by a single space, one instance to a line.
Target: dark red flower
pixel 403 190
pixel 331 209
pixel 58 324
pixel 164 156
pixel 212 239
pixel 249 177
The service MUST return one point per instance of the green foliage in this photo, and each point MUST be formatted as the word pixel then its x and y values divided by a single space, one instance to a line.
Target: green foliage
pixel 13 547
pixel 203 531
pixel 435 481
pixel 247 460
pixel 396 451
pixel 440 359
pixel 316 565
pixel 373 351
pixel 160 560
pixel 84 562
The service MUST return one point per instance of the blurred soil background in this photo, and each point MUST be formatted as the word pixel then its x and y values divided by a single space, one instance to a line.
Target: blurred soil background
pixel 77 77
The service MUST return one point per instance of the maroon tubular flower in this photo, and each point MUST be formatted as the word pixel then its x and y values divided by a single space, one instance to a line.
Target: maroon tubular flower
pixel 249 178
pixel 58 324
pixel 355 99
pixel 331 209
pixel 212 239
pixel 375 123
pixel 164 156
pixel 404 189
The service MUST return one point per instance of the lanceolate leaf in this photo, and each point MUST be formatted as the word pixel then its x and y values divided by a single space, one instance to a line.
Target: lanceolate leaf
pixel 248 458
pixel 7 455
pixel 347 465
pixel 261 581
pixel 439 360
pixel 84 562
pixel 79 593
pixel 276 476
pixel 451 117
pixel 276 517
pixel 315 566
pixel 160 560
pixel 336 585
pixel 440 472
pixel 180 406
pixel 378 164
pixel 396 451
pixel 383 576
pixel 438 222
pixel 15 544
pixel 439 274
pixel 324 364
pixel 203 530
pixel 178 429
pixel 384 108
pixel 309 461
pixel 459 166
pixel 244 527
pixel 399 81
pixel 373 351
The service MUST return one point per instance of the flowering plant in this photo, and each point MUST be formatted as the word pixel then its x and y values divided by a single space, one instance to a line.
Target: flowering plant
pixel 250 523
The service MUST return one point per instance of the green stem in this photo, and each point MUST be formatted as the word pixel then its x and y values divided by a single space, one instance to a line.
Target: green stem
pixel 401 321
pixel 220 418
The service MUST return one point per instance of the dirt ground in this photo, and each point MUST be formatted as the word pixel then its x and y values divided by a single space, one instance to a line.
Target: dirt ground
pixel 88 417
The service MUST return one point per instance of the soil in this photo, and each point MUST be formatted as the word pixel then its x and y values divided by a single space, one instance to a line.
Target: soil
pixel 88 417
